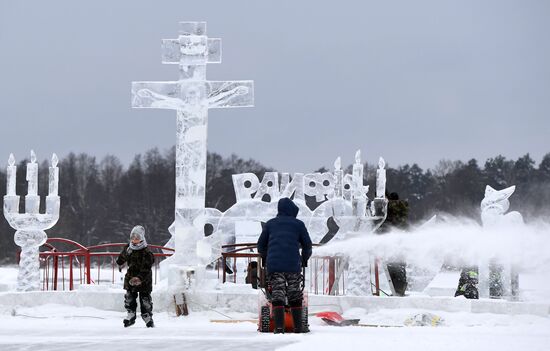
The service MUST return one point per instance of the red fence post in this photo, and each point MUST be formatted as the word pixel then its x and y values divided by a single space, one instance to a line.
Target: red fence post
pixel 55 271
pixel 71 285
pixel 331 274
pixel 316 275
pixel 88 267
pixel 324 274
pixel 63 273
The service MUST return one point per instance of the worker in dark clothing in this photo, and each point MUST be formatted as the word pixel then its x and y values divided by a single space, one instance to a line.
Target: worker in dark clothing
pixel 279 246
pixel 467 284
pixel 397 215
pixel 397 218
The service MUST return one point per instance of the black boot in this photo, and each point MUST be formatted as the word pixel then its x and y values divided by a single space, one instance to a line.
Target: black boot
pixel 279 319
pixel 148 319
pixel 297 319
pixel 471 292
pixel 398 276
pixel 130 319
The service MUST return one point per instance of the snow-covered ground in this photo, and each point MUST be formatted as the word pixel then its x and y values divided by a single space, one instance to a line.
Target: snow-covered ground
pixel 59 327
pixel 91 317
pixel 64 327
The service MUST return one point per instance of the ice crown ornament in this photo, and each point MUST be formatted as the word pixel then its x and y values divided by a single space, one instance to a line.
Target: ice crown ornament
pixel 30 225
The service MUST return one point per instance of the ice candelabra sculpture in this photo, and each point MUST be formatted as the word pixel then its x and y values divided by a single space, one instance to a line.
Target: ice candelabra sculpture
pixel 30 225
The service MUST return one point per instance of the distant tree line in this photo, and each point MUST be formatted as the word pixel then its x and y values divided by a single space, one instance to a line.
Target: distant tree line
pixel 102 200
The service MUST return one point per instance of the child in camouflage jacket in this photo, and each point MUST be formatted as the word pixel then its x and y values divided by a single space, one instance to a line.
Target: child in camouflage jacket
pixel 138 280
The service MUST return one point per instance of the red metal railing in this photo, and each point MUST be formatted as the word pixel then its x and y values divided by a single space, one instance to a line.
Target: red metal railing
pixel 57 263
pixel 325 275
pixel 246 253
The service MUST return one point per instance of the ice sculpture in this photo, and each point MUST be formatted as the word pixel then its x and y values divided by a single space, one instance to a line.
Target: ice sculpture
pixel 191 96
pixel 30 225
pixel 342 197
pixel 381 179
pixel 494 206
pixel 359 191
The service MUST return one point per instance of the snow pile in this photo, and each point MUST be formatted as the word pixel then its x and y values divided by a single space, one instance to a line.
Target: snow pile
pixel 8 276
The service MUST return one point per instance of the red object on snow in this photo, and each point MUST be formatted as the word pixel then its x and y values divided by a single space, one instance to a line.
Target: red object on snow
pixel 336 319
pixel 333 316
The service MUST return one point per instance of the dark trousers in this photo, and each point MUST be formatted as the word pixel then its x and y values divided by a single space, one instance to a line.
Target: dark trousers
pixel 286 286
pixel 145 303
pixel 398 276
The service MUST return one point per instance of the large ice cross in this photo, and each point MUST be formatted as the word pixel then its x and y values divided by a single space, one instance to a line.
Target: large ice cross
pixel 191 96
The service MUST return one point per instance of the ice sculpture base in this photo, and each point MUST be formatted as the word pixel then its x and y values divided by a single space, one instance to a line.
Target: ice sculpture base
pixel 184 278
pixel 28 278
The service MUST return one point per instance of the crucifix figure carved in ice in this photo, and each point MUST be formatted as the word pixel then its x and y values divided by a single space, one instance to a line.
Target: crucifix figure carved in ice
pixel 191 96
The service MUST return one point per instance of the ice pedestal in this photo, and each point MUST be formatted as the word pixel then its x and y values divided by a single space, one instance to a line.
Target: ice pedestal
pixel 28 278
pixel 183 278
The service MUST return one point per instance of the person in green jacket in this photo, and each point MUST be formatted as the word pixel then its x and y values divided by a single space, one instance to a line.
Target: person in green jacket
pixel 139 277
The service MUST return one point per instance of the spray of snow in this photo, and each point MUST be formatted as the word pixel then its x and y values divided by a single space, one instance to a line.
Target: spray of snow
pixel 455 241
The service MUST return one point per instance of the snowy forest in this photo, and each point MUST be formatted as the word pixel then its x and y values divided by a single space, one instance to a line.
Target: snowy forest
pixel 102 200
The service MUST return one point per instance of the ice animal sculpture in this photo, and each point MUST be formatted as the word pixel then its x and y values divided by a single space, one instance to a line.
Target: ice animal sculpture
pixel 30 225
pixel 494 206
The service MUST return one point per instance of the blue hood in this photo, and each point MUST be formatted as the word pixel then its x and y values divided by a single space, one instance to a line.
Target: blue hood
pixel 286 207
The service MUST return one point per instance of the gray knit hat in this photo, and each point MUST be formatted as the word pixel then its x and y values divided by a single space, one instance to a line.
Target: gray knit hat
pixel 138 232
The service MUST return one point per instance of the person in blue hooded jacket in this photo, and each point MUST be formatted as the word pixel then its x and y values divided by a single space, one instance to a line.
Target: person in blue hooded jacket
pixel 279 245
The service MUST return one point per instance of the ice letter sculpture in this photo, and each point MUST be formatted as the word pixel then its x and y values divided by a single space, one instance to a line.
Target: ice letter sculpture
pixel 191 96
pixel 30 225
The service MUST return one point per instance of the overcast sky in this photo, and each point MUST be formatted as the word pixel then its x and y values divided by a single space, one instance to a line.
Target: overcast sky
pixel 413 81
